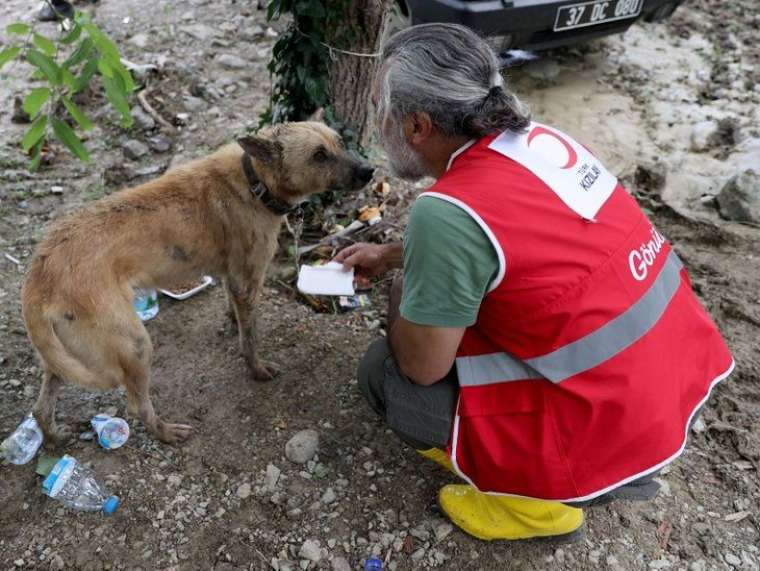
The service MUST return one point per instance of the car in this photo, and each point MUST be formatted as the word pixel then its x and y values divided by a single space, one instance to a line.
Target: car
pixel 534 24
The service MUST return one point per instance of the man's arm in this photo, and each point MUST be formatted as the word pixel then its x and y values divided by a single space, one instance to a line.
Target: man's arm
pixel 424 353
pixel 449 264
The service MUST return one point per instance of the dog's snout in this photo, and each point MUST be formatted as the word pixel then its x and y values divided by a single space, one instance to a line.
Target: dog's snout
pixel 365 173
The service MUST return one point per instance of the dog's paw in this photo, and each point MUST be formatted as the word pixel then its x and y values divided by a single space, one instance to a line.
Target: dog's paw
pixel 265 371
pixel 174 433
pixel 58 438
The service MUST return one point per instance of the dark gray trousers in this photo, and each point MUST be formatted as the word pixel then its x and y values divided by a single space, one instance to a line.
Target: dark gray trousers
pixel 422 417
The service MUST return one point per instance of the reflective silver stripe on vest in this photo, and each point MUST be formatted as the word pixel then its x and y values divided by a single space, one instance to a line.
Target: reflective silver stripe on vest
pixel 587 352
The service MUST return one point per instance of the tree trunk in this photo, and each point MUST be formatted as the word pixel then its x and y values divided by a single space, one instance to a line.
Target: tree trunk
pixel 351 75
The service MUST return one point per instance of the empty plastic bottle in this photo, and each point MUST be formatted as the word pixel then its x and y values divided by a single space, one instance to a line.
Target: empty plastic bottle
pixel 146 303
pixel 112 431
pixel 373 564
pixel 21 446
pixel 77 488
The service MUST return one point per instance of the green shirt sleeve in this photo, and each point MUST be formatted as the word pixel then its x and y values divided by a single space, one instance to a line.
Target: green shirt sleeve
pixel 449 263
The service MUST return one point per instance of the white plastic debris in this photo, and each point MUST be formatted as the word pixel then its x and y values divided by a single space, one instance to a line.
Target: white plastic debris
pixel 328 279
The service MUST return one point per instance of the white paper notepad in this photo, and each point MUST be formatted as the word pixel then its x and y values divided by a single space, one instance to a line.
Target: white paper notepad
pixel 328 279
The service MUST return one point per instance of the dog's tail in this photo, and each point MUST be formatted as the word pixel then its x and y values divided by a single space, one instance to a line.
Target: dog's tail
pixel 55 357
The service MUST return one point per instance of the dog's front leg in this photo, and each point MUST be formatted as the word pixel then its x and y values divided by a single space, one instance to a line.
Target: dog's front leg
pixel 243 294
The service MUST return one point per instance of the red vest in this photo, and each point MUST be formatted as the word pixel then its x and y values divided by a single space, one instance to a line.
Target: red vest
pixel 590 354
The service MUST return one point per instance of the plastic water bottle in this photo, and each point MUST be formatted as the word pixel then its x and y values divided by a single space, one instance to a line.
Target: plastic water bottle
pixel 77 488
pixel 146 303
pixel 373 564
pixel 21 446
pixel 112 431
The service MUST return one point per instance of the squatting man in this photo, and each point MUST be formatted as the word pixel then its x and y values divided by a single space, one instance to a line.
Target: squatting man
pixel 544 343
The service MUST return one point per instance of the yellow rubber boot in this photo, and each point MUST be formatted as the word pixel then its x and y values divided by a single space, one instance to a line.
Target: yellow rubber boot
pixel 438 456
pixel 491 517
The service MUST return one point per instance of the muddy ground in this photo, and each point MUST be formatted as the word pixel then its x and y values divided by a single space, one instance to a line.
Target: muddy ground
pixel 208 504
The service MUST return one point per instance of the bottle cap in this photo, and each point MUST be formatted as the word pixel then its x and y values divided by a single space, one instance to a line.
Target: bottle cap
pixel 111 505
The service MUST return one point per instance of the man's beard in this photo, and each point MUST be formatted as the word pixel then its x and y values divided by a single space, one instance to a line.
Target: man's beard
pixel 404 160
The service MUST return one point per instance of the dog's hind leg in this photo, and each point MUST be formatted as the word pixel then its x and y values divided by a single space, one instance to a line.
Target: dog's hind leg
pixel 44 411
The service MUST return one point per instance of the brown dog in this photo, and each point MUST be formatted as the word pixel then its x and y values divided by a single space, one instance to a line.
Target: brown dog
pixel 218 215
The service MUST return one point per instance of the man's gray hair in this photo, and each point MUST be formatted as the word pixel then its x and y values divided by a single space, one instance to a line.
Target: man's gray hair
pixel 450 73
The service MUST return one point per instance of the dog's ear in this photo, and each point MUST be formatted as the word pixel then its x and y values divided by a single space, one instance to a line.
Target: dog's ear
pixel 262 149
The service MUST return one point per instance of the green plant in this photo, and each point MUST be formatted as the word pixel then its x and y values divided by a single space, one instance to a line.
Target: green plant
pixel 66 66
pixel 300 61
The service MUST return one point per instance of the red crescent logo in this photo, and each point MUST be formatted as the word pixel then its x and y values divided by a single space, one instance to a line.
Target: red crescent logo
pixel 572 156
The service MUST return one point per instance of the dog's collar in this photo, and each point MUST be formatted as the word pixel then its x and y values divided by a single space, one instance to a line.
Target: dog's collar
pixel 260 190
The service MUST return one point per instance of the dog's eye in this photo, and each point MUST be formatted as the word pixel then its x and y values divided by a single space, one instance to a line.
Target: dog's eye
pixel 320 155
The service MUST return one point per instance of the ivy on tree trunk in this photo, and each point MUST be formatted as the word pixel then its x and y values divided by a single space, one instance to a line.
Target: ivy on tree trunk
pixel 326 58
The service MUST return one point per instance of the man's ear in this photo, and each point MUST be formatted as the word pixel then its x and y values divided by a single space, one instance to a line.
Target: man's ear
pixel 420 127
pixel 262 149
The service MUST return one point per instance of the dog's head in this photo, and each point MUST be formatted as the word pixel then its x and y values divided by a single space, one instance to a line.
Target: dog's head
pixel 297 159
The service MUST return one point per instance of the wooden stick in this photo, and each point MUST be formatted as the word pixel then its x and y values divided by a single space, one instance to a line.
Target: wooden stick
pixel 350 229
pixel 142 98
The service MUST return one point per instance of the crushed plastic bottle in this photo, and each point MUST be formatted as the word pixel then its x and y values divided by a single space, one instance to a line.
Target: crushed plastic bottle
pixel 373 564
pixel 77 488
pixel 21 446
pixel 146 303
pixel 112 431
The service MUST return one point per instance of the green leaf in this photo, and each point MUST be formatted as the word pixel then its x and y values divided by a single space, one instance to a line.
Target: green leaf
pixel 34 134
pixel 34 164
pixel 102 43
pixel 82 119
pixel 73 35
pixel 18 28
pixel 45 464
pixel 35 100
pixel 87 72
pixel 44 44
pixel 46 65
pixel 67 136
pixel 125 75
pixel 68 79
pixel 79 54
pixel 8 54
pixel 118 98
pixel 104 69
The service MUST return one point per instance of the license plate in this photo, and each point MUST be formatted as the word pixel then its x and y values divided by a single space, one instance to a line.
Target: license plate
pixel 596 12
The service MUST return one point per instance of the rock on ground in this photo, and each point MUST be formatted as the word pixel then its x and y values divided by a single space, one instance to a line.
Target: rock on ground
pixel 244 491
pixel 340 564
pixel 302 447
pixel 272 477
pixel 310 550
pixel 543 69
pixel 231 61
pixel 142 119
pixel 703 135
pixel 739 199
pixel 134 149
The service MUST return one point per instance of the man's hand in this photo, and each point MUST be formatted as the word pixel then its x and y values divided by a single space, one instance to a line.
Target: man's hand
pixel 371 260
